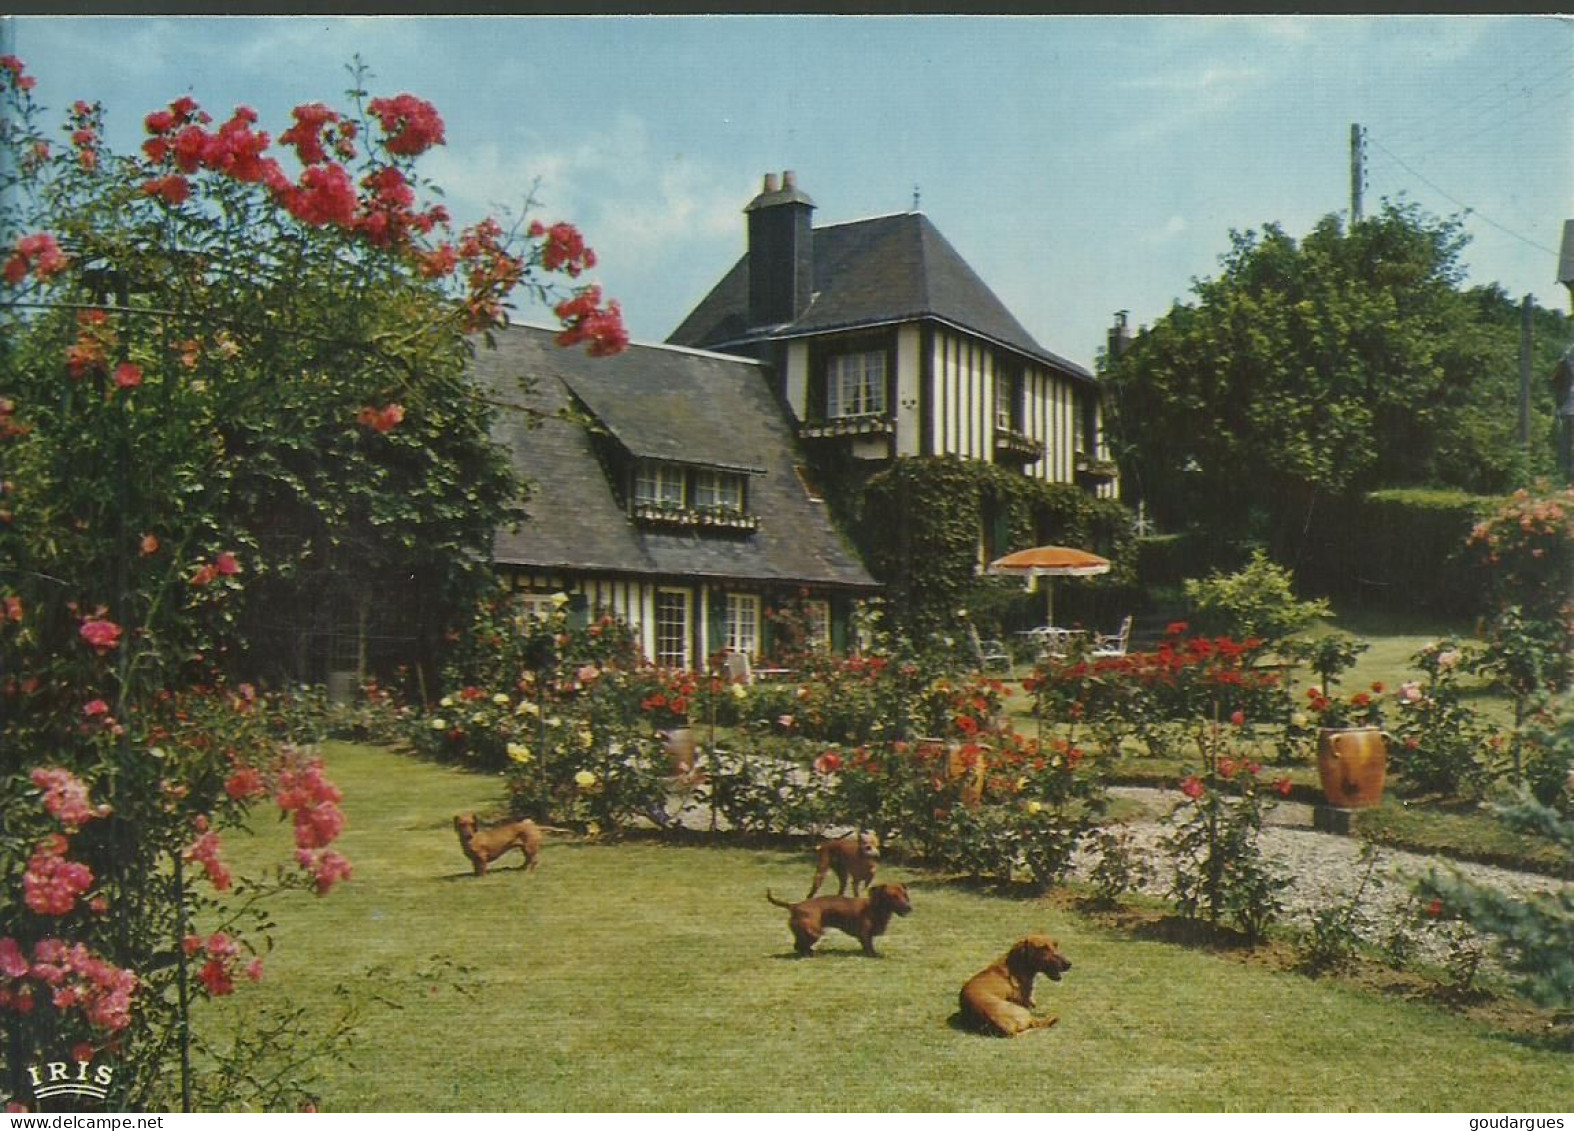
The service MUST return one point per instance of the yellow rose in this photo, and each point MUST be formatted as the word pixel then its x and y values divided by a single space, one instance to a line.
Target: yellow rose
pixel 1034 808
pixel 585 779
pixel 518 752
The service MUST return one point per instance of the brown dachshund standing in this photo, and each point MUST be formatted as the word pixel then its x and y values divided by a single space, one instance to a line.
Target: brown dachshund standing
pixel 998 998
pixel 863 917
pixel 485 845
pixel 849 857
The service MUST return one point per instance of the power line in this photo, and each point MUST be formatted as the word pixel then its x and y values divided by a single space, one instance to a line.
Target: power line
pixel 1440 120
pixel 1530 108
pixel 1470 209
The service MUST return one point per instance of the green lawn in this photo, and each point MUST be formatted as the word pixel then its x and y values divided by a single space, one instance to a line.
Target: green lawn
pixel 643 976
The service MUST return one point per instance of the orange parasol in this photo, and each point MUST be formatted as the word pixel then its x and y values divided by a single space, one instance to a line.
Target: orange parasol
pixel 1051 562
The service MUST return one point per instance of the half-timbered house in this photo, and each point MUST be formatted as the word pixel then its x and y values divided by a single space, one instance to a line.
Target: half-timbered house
pixel 665 490
pixel 883 341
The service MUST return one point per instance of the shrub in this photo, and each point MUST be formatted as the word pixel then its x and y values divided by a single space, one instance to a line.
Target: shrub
pixel 1121 868
pixel 1403 547
pixel 1213 843
pixel 1526 548
pixel 1440 736
pixel 233 388
pixel 1176 693
pixel 1338 930
pixel 1257 600
pixel 1534 934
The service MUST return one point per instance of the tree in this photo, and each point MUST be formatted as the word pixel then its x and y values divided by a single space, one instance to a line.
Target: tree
pixel 227 391
pixel 1327 366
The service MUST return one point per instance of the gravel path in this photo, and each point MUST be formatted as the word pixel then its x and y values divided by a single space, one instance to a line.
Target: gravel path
pixel 1325 868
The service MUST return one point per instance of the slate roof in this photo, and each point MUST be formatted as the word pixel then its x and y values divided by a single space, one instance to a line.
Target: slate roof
pixel 869 273
pixel 663 403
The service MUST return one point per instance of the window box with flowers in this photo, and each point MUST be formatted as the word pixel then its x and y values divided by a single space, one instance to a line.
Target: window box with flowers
pixel 864 424
pixel 1014 443
pixel 1352 747
pixel 1095 470
pixel 718 518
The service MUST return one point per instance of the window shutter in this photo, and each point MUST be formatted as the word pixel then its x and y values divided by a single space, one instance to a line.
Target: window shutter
pixel 716 624
pixel 841 622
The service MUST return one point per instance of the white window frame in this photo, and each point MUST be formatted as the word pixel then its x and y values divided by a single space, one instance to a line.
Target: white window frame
pixel 718 490
pixel 1007 395
pixel 662 626
pixel 855 385
pixel 742 623
pixel 530 605
pixel 817 624
pixel 658 484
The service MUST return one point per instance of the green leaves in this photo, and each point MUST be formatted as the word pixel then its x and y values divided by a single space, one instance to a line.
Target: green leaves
pixel 1331 365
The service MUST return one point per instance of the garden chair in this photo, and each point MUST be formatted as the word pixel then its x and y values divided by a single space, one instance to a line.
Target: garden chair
pixel 989 654
pixel 1113 644
pixel 737 667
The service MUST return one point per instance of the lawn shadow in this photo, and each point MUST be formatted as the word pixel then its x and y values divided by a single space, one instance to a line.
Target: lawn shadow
pixel 458 877
pixel 1019 891
pixel 833 952
pixel 1194 933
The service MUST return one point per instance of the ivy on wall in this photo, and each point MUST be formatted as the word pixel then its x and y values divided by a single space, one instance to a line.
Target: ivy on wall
pixel 925 524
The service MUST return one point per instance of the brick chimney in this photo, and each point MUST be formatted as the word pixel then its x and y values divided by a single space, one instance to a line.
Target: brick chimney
pixel 781 251
pixel 1119 335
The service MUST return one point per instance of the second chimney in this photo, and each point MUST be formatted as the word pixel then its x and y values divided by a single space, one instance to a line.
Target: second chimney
pixel 781 251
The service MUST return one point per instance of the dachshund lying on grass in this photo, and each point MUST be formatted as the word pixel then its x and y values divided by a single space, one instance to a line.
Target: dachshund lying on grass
pixel 863 917
pixel 852 857
pixel 998 998
pixel 483 846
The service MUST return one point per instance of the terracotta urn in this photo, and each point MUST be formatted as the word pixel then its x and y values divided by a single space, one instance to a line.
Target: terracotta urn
pixel 680 749
pixel 1352 762
pixel 967 765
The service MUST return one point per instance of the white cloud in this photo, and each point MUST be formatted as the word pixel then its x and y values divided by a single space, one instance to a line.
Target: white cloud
pixel 636 205
pixel 1210 79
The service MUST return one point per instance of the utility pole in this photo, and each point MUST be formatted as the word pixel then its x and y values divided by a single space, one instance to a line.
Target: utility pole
pixel 1526 322
pixel 1357 171
pixel 1563 375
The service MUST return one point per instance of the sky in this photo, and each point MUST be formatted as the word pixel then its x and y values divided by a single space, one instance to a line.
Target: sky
pixel 1081 164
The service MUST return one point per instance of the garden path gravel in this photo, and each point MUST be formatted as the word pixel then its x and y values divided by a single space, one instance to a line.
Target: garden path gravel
pixel 1325 869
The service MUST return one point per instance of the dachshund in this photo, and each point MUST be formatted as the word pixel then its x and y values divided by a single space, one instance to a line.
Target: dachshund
pixel 863 917
pixel 483 846
pixel 849 857
pixel 998 998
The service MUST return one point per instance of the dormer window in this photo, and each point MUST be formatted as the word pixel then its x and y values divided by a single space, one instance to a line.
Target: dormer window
pixel 683 495
pixel 855 385
pixel 659 484
pixel 718 491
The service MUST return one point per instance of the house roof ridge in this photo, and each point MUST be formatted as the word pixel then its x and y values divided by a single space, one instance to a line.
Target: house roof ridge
pixel 872 219
pixel 693 351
